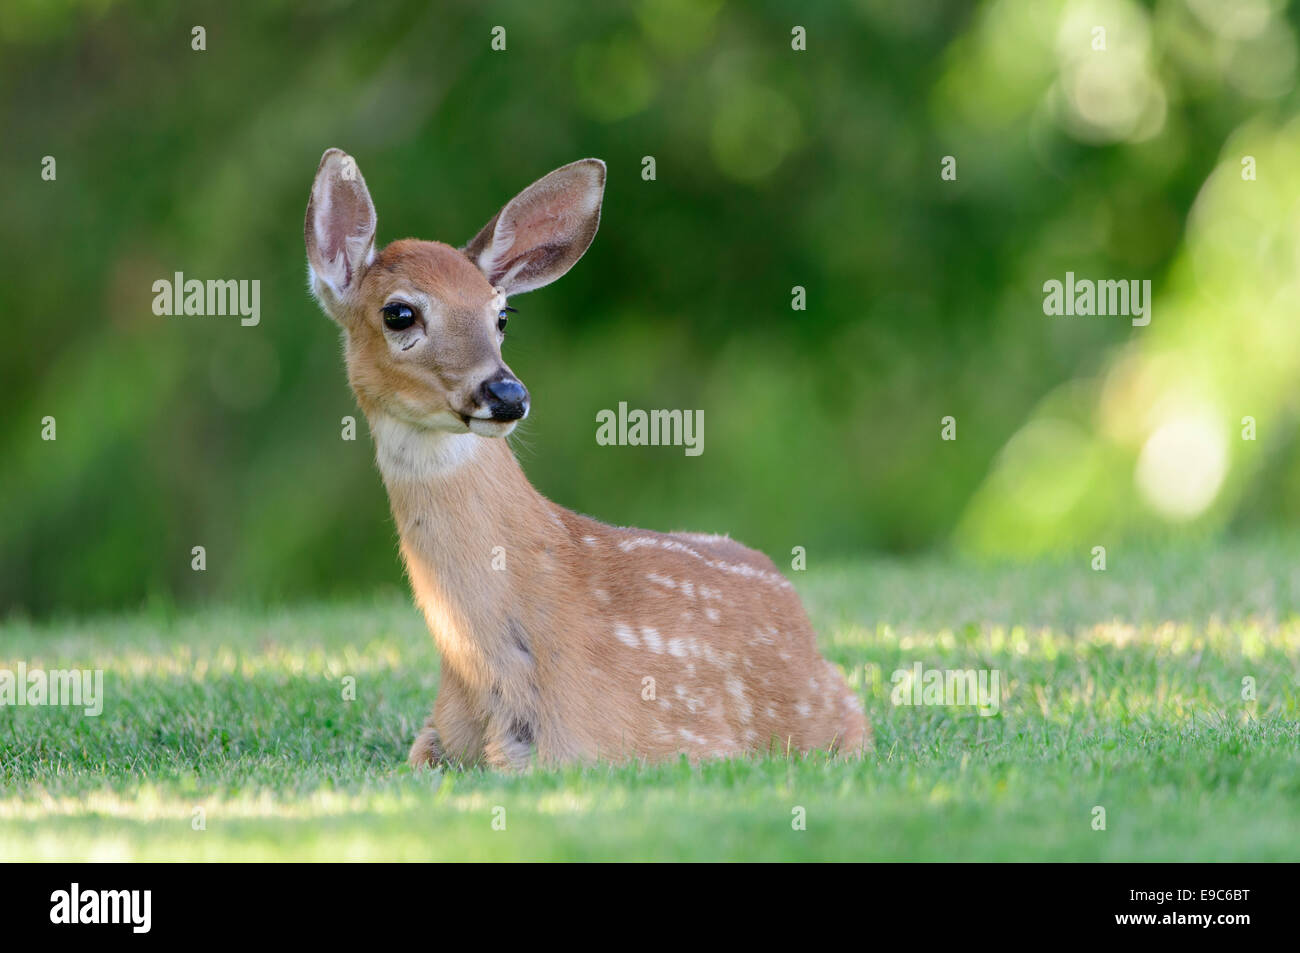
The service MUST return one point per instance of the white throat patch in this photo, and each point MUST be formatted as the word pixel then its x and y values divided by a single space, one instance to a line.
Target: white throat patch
pixel 409 453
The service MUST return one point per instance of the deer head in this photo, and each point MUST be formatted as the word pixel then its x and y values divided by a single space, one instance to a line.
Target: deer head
pixel 424 322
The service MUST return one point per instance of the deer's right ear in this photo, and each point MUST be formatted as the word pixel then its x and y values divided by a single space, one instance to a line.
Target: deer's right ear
pixel 543 230
pixel 340 227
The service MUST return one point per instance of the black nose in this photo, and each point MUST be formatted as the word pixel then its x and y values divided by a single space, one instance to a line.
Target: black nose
pixel 505 397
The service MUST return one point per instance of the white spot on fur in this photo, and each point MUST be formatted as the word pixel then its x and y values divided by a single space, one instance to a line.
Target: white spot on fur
pixel 625 635
pixel 692 704
pixel 666 581
pixel 803 708
pixel 677 648
pixel 712 614
pixel 737 569
pixel 736 689
pixel 652 640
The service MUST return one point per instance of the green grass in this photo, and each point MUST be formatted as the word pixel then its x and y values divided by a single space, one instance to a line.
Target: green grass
pixel 1123 690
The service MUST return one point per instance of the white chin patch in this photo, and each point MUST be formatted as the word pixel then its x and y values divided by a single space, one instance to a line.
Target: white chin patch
pixel 491 428
pixel 407 451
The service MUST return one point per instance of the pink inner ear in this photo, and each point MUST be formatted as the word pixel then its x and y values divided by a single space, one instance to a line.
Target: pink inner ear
pixel 543 230
pixel 535 260
pixel 346 215
pixel 546 219
pixel 538 232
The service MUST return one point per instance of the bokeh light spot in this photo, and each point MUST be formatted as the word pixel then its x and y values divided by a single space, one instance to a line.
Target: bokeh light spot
pixel 1182 465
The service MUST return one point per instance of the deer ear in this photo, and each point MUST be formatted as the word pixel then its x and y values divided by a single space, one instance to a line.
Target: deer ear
pixel 543 230
pixel 340 226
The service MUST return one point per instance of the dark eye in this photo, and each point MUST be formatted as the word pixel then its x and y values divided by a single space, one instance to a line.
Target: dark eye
pixel 501 321
pixel 398 316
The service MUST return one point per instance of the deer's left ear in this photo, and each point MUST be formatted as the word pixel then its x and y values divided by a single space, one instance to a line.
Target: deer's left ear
pixel 340 225
pixel 542 231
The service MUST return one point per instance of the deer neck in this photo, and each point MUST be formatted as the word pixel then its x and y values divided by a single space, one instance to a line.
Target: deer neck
pixel 469 522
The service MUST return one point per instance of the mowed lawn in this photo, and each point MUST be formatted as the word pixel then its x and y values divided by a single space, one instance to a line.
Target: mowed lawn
pixel 1122 690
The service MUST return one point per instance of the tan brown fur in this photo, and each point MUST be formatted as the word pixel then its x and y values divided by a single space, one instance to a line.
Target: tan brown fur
pixel 547 657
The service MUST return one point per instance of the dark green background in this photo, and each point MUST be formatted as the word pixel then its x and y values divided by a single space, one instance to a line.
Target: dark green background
pixel 775 168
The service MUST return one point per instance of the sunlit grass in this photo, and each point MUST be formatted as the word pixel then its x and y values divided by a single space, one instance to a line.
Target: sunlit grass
pixel 1165 693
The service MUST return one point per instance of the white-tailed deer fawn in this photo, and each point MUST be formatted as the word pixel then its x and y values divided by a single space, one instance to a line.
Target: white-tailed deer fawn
pixel 591 641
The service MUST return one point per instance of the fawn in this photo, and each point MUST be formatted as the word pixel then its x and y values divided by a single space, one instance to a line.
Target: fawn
pixel 593 641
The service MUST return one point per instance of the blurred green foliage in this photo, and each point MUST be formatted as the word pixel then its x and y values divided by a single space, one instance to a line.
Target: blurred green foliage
pixel 775 168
